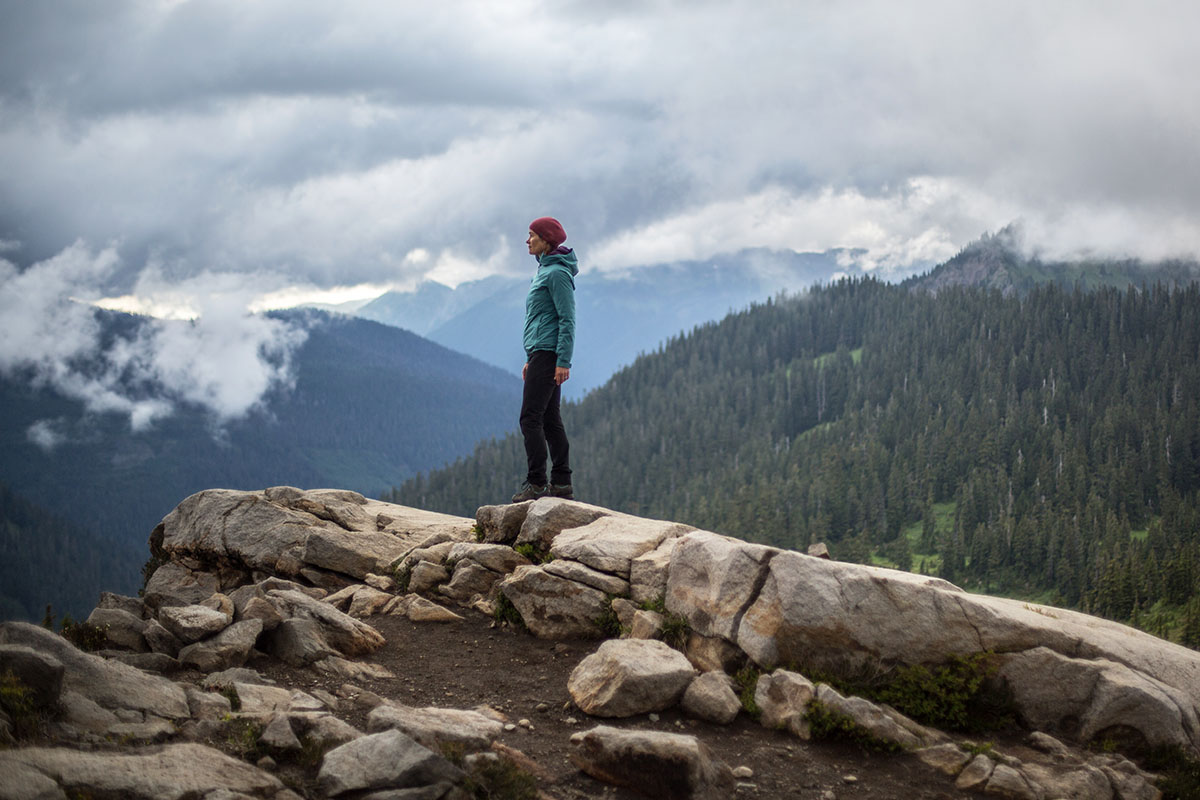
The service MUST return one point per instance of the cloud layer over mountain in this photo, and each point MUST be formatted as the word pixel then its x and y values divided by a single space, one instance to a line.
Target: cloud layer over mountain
pixel 289 146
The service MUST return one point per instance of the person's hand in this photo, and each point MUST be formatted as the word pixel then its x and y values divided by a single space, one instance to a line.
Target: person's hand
pixel 524 370
pixel 561 374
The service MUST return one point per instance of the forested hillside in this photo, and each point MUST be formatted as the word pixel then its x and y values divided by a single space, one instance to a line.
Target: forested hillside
pixel 1044 444
pixel 45 559
pixel 370 405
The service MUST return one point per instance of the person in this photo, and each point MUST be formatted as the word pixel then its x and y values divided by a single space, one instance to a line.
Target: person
pixel 549 344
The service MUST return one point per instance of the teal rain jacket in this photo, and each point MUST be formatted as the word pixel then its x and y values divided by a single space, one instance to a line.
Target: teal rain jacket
pixel 550 306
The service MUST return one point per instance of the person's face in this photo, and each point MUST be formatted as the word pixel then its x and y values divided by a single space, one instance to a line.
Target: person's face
pixel 537 245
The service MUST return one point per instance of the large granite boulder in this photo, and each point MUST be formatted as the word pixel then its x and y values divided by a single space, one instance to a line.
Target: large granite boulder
pixel 669 766
pixel 553 607
pixel 783 607
pixel 630 676
pixel 172 772
pixel 288 532
pixel 611 543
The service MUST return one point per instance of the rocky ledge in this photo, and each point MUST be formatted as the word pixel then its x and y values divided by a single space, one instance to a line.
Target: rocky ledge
pixel 291 576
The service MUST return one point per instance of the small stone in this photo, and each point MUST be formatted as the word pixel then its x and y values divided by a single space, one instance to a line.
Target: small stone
pixel 743 773
pixel 524 723
pixel 746 787
pixel 654 717
pixel 571 721
pixel 849 779
pixel 509 727
pixel 542 707
pixel 267 763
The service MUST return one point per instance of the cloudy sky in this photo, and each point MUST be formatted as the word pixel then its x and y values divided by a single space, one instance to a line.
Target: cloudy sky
pixel 180 155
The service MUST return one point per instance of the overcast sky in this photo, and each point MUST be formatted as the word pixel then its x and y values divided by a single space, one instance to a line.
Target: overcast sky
pixel 172 152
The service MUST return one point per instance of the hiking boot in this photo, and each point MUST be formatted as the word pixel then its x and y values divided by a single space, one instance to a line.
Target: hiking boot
pixel 530 491
pixel 562 490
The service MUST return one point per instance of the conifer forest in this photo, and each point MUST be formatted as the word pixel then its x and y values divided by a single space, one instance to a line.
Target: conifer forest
pixel 1042 445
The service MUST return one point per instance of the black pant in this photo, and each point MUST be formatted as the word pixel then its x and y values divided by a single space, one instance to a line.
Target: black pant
pixel 541 423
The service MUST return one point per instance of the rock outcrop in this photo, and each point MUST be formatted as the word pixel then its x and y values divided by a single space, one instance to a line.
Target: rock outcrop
pixel 295 577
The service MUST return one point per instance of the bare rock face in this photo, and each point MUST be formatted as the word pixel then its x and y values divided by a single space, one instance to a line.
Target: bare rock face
pixel 173 584
pixel 1084 697
pixel 501 523
pixel 229 648
pixel 611 543
pixel 783 698
pixel 426 576
pixel 469 579
pixel 630 676
pixel 554 607
pixel 298 642
pixel 346 634
pixel 648 572
pixel 496 557
pixel 784 607
pixel 433 727
pixel 122 629
pixel 193 622
pixel 173 772
pixel 670 766
pixel 710 697
pixel 549 516
pixel 387 760
pixel 574 571
pixel 109 684
pixel 288 532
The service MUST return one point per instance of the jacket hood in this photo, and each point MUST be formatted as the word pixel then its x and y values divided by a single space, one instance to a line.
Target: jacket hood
pixel 562 256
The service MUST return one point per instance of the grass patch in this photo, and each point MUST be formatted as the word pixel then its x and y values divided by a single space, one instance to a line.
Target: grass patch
pixel 241 736
pixel 501 779
pixel 17 701
pixel 230 694
pixel 607 622
pixel 657 605
pixel 675 630
pixel 402 575
pixel 534 553
pixel 491 778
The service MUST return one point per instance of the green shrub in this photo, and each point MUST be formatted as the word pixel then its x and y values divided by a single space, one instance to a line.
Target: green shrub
pixel 952 695
pixel 507 613
pixel 16 700
pixel 402 575
pixel 534 553
pixel 658 604
pixel 746 680
pixel 1180 772
pixel 829 724
pixel 501 779
pixel 242 735
pixel 84 636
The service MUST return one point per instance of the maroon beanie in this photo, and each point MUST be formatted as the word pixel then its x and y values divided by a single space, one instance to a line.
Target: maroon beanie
pixel 549 230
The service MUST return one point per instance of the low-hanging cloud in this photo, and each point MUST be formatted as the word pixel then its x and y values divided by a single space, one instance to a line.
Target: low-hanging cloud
pixel 221 358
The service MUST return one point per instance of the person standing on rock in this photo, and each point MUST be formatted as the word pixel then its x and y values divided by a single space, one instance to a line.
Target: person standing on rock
pixel 549 343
